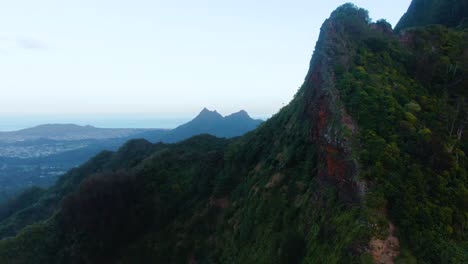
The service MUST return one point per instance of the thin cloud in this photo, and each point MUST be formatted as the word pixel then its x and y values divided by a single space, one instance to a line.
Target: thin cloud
pixel 11 43
pixel 30 43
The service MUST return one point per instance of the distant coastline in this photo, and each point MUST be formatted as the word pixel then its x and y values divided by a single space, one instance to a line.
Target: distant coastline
pixel 16 122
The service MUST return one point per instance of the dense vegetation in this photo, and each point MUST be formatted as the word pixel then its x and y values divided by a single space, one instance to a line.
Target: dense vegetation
pixel 17 174
pixel 40 155
pixel 164 206
pixel 394 104
pixel 408 96
pixel 450 13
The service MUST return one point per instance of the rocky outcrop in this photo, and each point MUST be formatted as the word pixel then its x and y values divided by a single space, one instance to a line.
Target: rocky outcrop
pixel 333 127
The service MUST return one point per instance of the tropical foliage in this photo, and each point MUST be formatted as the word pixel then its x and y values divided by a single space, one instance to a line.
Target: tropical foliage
pixel 265 197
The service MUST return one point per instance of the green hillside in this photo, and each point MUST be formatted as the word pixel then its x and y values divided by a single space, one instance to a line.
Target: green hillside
pixel 366 164
pixel 450 13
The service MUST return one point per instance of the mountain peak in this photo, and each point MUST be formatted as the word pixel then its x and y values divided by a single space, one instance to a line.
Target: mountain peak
pixel 240 114
pixel 205 110
pixel 207 114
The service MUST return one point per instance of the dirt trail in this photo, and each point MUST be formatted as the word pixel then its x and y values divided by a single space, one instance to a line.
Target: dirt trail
pixel 384 251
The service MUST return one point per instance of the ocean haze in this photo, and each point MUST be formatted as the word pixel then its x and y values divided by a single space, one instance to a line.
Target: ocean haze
pixel 17 122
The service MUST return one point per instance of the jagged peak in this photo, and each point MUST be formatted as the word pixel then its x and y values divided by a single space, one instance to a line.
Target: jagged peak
pixel 239 114
pixel 349 9
pixel 206 113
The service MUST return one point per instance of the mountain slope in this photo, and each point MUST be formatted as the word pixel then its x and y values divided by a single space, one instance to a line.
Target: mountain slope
pixel 42 208
pixel 38 156
pixel 366 164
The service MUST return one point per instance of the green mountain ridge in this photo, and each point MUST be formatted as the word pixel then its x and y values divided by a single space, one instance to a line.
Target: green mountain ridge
pixel 366 164
pixel 38 156
pixel 451 13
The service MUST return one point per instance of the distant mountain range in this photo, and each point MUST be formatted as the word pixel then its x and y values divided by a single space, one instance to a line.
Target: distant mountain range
pixel 207 122
pixel 37 156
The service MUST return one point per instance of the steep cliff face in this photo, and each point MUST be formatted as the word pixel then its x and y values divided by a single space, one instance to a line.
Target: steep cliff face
pixel 333 127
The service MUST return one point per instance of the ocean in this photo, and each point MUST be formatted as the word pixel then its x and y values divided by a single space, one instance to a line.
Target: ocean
pixel 17 122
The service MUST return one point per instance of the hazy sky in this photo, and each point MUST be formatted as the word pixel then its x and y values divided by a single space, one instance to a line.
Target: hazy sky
pixel 160 57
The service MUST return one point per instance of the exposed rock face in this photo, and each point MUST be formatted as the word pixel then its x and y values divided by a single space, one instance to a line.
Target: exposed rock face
pixel 330 118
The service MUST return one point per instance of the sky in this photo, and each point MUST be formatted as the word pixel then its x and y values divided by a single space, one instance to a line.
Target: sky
pixel 159 58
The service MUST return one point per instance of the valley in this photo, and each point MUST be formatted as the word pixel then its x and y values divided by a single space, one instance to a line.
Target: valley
pixel 38 156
